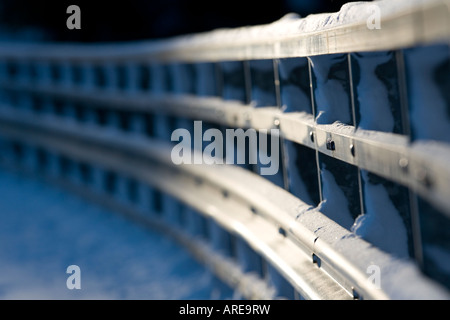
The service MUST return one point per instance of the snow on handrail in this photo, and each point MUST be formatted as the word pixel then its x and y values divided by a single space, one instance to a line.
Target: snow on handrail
pixel 401 24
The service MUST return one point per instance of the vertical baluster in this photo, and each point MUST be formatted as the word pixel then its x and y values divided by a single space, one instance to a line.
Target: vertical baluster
pixel 435 236
pixel 88 73
pixel 283 288
pixel 263 87
pixel 427 82
pixel 234 83
pixel 67 76
pixel 111 76
pixel 161 80
pixel 413 202
pixel 23 72
pixel 138 123
pixel 3 70
pixel 248 259
pixel 144 78
pixel 122 77
pixel 332 102
pixel 295 85
pixel 206 80
pixel 146 197
pixel 221 240
pixel 173 211
pixel 121 193
pixel 25 101
pixel 98 177
pixel 428 70
pixel 43 72
pixel 184 78
pixel 386 218
pixel 331 89
pixel 132 73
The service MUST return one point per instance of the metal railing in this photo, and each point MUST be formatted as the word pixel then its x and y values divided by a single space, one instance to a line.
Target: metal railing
pixel 364 186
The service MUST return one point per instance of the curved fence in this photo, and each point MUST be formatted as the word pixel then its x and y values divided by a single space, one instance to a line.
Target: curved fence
pixel 353 108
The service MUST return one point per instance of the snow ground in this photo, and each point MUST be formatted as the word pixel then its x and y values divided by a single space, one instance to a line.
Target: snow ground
pixel 43 230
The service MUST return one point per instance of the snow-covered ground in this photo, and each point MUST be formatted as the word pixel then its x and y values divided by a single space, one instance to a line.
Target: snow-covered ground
pixel 43 230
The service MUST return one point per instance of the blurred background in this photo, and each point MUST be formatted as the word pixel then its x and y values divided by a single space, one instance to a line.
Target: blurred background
pixel 143 19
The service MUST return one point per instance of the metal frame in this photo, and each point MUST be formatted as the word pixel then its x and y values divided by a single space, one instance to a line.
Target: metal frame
pixel 302 244
pixel 383 153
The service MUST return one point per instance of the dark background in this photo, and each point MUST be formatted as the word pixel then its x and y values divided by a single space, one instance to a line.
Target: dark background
pixel 140 19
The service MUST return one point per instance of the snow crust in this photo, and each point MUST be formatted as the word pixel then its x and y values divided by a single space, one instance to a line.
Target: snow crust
pixel 43 230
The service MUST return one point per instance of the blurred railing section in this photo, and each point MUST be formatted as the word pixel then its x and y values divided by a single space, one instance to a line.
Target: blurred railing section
pixel 360 206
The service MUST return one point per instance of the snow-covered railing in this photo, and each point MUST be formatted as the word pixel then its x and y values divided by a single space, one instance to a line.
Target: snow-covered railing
pixel 361 204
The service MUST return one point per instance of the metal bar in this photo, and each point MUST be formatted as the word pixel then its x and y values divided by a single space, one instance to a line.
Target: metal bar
pixel 378 152
pixel 402 25
pixel 231 213
pixel 275 208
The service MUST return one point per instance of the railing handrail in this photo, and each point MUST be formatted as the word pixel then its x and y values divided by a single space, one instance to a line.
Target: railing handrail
pixel 402 24
pixel 271 204
pixel 386 149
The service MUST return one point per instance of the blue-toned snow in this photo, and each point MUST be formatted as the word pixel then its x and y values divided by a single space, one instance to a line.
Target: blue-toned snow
pixel 43 230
